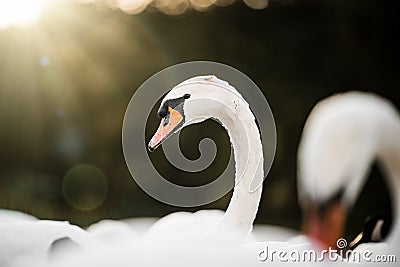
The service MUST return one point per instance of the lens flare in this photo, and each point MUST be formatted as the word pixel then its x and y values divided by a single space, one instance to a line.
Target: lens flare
pixel 19 12
pixel 85 187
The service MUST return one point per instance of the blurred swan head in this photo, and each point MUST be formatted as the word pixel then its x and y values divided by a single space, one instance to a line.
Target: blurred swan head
pixel 341 139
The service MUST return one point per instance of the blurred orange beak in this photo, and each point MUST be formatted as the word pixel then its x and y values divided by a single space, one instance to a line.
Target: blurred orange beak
pixel 325 227
pixel 169 124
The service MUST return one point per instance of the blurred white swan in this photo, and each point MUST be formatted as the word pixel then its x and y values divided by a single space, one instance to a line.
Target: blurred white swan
pixel 342 137
pixel 194 101
pixel 15 216
pixel 29 242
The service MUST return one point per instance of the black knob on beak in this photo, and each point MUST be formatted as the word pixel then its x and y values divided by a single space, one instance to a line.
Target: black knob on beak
pixel 150 148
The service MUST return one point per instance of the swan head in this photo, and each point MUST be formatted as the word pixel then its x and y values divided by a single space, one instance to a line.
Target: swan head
pixel 191 101
pixel 340 140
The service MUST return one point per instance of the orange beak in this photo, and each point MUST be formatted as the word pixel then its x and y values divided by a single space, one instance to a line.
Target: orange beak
pixel 325 226
pixel 169 124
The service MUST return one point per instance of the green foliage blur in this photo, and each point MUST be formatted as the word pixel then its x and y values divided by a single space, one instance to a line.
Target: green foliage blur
pixel 65 84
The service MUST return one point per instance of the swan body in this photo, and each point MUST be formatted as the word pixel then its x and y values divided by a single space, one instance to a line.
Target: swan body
pixel 184 225
pixel 7 216
pixel 112 232
pixel 24 243
pixel 262 233
pixel 140 224
pixel 342 137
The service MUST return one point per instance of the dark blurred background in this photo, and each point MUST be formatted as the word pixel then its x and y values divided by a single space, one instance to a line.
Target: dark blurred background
pixel 66 80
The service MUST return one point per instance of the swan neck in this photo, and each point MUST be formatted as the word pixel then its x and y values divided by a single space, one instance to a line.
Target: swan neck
pixel 248 154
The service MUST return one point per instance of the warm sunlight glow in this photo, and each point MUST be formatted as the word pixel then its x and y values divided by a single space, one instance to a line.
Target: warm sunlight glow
pixel 19 12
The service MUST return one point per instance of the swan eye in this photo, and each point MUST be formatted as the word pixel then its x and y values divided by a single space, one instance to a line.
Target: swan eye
pixel 166 120
pixel 186 96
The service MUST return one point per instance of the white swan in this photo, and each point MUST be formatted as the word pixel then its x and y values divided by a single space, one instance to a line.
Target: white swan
pixel 342 137
pixel 194 101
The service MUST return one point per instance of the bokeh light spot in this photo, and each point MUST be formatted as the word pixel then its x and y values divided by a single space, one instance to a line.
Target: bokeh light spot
pixel 223 2
pixel 85 187
pixel 201 5
pixel 171 7
pixel 44 61
pixel 133 6
pixel 257 4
